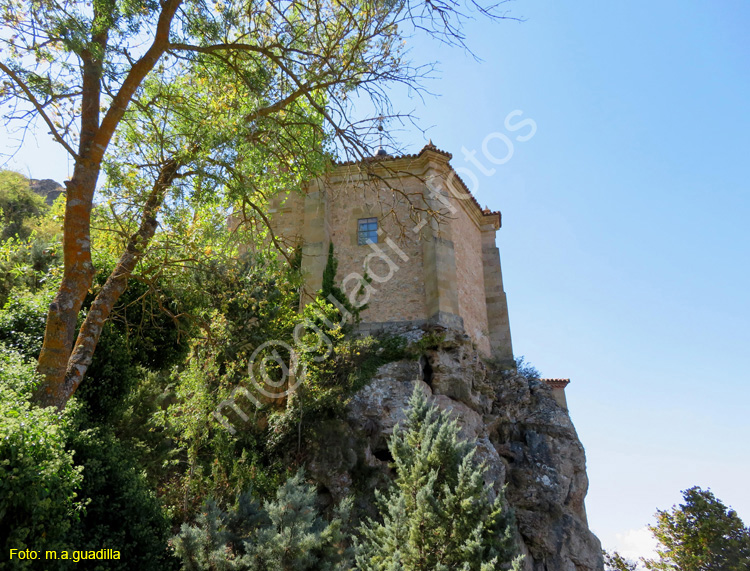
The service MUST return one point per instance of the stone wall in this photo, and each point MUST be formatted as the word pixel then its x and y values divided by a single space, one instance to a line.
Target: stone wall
pixel 435 260
pixel 395 264
pixel 472 304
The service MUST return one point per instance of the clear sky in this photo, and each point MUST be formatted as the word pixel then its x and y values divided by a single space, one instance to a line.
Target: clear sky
pixel 625 243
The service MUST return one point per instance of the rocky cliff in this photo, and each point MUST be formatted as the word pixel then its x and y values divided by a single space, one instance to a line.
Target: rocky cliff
pixel 47 188
pixel 526 439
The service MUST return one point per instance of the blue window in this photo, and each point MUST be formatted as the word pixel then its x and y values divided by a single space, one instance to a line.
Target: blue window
pixel 367 231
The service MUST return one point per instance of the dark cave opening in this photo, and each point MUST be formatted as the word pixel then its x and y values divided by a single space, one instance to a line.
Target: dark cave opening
pixel 427 373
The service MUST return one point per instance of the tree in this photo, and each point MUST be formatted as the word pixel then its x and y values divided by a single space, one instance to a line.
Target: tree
pixel 19 206
pixel 83 69
pixel 438 515
pixel 700 535
pixel 287 534
pixel 616 562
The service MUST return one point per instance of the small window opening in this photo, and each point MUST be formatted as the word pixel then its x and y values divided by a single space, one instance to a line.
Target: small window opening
pixel 367 231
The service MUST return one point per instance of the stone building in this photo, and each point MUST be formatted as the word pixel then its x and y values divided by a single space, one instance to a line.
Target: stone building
pixel 409 224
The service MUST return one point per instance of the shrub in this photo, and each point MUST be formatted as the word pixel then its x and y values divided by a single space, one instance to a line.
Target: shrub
pixel 19 206
pixel 139 336
pixel 22 322
pixel 526 369
pixel 39 482
pixel 64 488
pixel 287 533
pixel 122 513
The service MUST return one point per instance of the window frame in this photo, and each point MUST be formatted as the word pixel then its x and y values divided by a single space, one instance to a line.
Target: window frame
pixel 366 232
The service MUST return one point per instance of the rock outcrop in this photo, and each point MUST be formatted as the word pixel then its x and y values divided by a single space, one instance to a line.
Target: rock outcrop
pixel 524 436
pixel 46 188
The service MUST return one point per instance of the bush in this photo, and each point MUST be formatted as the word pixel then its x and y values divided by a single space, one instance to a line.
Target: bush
pixel 139 336
pixel 39 482
pixel 211 461
pixel 122 513
pixel 288 533
pixel 526 369
pixel 22 322
pixel 29 237
pixel 65 487
pixel 19 206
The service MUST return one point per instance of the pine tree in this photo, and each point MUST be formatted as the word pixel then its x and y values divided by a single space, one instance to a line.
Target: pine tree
pixel 700 535
pixel 438 514
pixel 287 534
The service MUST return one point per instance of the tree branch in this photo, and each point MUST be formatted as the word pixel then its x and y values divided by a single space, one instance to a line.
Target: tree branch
pixel 39 108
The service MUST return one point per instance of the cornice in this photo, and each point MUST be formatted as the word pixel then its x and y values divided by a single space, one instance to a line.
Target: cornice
pixel 391 166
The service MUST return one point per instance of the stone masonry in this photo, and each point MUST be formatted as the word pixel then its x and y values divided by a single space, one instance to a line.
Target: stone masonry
pixel 434 261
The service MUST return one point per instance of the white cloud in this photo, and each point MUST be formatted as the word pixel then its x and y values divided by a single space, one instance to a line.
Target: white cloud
pixel 635 543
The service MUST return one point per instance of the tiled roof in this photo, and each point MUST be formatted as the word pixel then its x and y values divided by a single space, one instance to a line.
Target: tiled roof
pixel 432 148
pixel 557 383
pixel 428 147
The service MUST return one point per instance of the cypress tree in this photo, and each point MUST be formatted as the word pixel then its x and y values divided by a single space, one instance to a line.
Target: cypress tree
pixel 328 287
pixel 438 515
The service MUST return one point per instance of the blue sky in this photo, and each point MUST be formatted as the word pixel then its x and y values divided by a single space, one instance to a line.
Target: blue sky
pixel 625 245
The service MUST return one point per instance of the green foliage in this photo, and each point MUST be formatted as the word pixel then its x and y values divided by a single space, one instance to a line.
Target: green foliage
pixel 258 294
pixel 616 562
pixel 22 322
pixel 20 207
pixel 39 483
pixel 29 236
pixel 431 340
pixel 526 369
pixel 238 307
pixel 206 459
pixel 700 535
pixel 30 255
pixel 329 288
pixel 438 515
pixel 335 367
pixel 328 284
pixel 90 465
pixel 287 534
pixel 27 265
pixel 258 303
pixel 121 511
pixel 335 372
pixel 66 487
pixel 139 336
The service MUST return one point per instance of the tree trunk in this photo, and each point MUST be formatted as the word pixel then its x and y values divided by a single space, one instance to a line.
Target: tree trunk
pixel 116 283
pixel 77 277
pixel 78 273
pixel 78 270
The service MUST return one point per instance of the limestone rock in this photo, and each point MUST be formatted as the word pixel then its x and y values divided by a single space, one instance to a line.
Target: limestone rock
pixel 523 436
pixel 47 188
